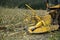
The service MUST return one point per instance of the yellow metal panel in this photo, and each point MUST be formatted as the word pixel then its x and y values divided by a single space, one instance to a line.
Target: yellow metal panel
pixel 44 29
pixel 57 6
pixel 47 19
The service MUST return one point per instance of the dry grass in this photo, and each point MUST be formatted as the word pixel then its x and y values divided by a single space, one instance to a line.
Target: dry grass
pixel 15 17
pixel 13 20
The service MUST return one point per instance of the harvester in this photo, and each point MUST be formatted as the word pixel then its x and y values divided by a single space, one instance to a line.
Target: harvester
pixel 49 22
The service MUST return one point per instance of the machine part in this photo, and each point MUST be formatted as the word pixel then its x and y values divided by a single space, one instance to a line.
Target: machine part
pixel 33 11
pixel 44 23
pixel 37 18
pixel 41 26
pixel 47 19
pixel 43 29
pixel 53 6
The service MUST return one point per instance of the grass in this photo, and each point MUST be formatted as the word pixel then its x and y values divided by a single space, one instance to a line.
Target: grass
pixel 55 36
pixel 13 19
pixel 14 16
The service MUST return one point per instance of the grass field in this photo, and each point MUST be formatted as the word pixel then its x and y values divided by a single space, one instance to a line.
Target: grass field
pixel 16 16
pixel 13 20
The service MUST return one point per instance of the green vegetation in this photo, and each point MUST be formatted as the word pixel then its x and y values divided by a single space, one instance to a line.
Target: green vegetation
pixel 36 4
pixel 55 36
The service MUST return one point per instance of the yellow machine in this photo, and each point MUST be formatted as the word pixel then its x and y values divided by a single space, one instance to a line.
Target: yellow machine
pixel 45 24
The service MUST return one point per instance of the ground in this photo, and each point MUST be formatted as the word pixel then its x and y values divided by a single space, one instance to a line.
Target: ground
pixel 13 20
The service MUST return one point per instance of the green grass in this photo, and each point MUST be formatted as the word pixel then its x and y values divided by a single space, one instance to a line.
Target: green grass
pixel 55 36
